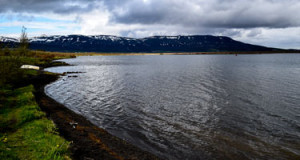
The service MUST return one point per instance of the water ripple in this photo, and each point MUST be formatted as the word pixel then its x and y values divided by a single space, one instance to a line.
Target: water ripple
pixel 190 107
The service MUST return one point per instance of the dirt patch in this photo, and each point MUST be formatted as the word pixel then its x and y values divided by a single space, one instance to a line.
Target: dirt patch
pixel 88 141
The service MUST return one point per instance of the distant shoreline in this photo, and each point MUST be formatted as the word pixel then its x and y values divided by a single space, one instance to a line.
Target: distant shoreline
pixel 173 53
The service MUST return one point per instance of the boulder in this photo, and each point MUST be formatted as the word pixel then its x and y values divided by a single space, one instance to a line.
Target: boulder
pixel 30 67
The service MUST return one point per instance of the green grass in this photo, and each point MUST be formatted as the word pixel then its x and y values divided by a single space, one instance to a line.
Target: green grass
pixel 11 61
pixel 25 132
pixel 10 69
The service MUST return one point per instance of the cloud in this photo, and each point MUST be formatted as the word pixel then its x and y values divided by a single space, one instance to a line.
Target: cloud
pixel 273 23
pixel 213 13
pixel 198 13
pixel 53 6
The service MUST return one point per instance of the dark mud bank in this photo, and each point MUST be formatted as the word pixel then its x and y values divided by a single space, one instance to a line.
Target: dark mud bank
pixel 87 140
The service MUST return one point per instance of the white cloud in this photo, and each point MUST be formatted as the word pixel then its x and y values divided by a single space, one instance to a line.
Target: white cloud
pixel 277 37
pixel 273 23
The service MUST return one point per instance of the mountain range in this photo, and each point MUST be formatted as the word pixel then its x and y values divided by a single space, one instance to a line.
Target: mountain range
pixel 107 43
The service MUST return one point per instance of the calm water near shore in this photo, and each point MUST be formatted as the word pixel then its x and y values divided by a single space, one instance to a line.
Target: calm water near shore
pixel 190 106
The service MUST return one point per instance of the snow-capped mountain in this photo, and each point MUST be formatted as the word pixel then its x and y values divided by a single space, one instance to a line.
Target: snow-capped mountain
pixel 8 40
pixel 107 43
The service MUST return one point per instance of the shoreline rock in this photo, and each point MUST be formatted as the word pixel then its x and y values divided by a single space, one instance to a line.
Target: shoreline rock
pixel 30 67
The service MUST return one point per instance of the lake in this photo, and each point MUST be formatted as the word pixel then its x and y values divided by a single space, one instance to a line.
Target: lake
pixel 190 106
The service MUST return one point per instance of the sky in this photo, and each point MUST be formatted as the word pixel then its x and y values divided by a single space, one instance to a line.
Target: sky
pixel 273 23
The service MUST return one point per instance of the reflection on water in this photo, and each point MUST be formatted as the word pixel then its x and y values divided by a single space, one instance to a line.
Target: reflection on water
pixel 191 107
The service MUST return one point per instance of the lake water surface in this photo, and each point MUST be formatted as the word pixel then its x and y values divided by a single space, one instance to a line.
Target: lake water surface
pixel 190 106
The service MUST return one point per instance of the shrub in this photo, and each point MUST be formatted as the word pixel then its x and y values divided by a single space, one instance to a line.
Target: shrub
pixel 10 71
pixel 24 43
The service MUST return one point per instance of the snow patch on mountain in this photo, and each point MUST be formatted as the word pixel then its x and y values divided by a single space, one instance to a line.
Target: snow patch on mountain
pixel 106 37
pixel 8 39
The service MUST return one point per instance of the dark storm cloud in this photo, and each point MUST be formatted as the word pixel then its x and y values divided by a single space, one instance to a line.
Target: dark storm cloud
pixel 197 13
pixel 213 13
pixel 54 6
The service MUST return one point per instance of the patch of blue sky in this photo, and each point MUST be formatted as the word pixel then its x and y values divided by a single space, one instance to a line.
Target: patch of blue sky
pixel 65 27
pixel 48 20
pixel 17 29
pixel 3 19
pixel 23 18
pixel 37 24
pixel 8 30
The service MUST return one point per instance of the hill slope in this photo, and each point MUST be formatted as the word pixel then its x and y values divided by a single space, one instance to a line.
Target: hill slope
pixel 106 43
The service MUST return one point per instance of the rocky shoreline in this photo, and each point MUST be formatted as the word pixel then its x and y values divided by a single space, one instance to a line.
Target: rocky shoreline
pixel 87 140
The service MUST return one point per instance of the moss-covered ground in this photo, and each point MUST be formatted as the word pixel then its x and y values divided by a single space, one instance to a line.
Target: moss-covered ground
pixel 25 131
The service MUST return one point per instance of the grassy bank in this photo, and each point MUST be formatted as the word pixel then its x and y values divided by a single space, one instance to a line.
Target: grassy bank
pixel 25 131
pixel 12 60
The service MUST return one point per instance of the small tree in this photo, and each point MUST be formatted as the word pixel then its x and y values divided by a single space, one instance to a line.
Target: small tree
pixel 10 63
pixel 24 42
